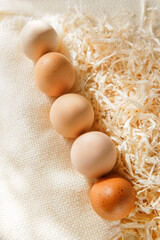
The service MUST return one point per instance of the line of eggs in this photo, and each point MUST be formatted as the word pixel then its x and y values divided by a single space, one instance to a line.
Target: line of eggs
pixel 93 153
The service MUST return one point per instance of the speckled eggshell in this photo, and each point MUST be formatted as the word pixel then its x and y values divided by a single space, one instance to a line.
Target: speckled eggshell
pixel 54 74
pixel 113 197
pixel 71 115
pixel 93 154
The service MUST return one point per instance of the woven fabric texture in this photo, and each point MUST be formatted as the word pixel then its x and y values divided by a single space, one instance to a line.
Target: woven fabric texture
pixel 41 195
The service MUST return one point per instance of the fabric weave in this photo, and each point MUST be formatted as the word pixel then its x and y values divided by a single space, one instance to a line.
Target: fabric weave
pixel 41 195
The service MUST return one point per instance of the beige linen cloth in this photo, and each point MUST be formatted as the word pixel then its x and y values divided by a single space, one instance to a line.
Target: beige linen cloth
pixel 41 195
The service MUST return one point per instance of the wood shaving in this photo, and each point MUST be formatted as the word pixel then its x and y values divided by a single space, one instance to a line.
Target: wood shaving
pixel 118 70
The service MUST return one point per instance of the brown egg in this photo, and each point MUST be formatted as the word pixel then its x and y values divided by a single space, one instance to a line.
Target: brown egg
pixel 54 74
pixel 113 197
pixel 93 154
pixel 38 38
pixel 71 115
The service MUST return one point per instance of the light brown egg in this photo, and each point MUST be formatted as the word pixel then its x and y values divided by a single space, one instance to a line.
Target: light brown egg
pixel 93 154
pixel 71 115
pixel 38 38
pixel 113 197
pixel 54 74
